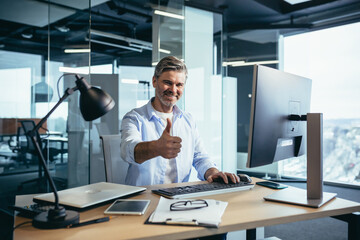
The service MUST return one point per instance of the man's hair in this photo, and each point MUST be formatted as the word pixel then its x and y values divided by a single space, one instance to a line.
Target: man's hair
pixel 170 63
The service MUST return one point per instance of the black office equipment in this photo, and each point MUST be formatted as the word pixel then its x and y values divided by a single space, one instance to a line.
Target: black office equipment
pixel 273 185
pixel 30 211
pixel 280 125
pixel 198 190
pixel 94 103
pixel 98 220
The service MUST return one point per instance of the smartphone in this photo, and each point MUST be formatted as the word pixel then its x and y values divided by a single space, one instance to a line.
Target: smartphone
pixel 273 185
pixel 128 207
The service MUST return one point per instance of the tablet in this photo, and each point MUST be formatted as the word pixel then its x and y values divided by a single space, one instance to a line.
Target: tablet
pixel 128 207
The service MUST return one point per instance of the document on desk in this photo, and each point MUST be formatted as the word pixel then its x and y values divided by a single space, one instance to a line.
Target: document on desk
pixel 209 216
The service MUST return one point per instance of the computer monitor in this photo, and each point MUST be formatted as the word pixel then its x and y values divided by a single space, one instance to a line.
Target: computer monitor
pixel 275 96
pixel 281 127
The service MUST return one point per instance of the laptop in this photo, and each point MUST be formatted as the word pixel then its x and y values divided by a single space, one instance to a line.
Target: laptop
pixel 89 195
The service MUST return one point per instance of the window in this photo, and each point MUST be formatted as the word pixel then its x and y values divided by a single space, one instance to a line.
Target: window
pixel 330 58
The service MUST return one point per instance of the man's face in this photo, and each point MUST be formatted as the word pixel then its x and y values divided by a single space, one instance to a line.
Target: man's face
pixel 169 88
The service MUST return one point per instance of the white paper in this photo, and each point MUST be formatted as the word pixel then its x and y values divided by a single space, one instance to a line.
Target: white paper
pixel 210 215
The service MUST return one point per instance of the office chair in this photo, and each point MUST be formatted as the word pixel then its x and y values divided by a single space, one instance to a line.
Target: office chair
pixel 49 153
pixel 18 147
pixel 102 128
pixel 115 168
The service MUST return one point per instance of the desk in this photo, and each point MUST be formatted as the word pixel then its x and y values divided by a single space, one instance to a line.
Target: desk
pixel 246 210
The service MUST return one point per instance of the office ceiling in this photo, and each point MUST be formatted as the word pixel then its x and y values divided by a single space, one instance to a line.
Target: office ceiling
pixel 24 23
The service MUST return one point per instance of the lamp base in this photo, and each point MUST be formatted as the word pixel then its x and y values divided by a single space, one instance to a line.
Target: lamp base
pixel 43 220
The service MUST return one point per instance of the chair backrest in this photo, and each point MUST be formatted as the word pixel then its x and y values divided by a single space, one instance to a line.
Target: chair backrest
pixel 115 168
pixel 102 128
pixel 27 126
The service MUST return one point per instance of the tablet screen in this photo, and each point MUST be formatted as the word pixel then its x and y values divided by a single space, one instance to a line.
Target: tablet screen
pixel 127 206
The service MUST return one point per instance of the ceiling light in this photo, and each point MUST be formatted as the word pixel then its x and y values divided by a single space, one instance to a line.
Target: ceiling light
pixel 154 64
pixel 164 51
pixel 293 2
pixel 121 38
pixel 77 50
pixel 148 48
pixel 167 14
pixel 231 63
pixel 253 63
pixel 140 46
pixel 130 81
pixel 74 70
pixel 62 29
pixel 27 35
pixel 115 45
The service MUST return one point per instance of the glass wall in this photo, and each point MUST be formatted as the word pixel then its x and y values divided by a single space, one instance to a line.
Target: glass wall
pixel 243 50
pixel 33 56
pixel 114 50
pixel 196 37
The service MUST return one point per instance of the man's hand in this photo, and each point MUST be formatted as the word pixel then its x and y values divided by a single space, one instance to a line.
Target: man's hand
pixel 212 174
pixel 167 145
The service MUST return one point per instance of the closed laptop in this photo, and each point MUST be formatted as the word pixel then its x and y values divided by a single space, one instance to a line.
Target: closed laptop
pixel 89 195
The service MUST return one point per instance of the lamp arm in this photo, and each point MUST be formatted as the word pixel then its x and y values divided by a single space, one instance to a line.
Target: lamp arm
pixel 32 135
pixel 67 93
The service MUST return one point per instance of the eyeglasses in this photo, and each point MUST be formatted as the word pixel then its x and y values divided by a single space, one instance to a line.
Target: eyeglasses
pixel 188 205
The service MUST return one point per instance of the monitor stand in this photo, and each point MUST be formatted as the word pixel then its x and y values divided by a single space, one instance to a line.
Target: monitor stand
pixel 313 196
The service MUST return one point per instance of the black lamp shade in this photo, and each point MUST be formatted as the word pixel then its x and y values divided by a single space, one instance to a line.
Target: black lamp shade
pixel 94 102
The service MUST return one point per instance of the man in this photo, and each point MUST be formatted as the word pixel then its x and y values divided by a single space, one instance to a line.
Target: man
pixel 160 141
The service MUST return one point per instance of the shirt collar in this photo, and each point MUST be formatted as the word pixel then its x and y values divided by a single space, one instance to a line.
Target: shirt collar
pixel 151 112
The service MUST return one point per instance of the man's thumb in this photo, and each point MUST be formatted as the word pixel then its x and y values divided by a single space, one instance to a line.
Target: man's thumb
pixel 168 126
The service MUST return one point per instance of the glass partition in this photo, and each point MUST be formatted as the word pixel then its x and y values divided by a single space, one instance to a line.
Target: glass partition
pixel 203 93
pixel 41 53
pixel 168 30
pixel 243 50
pixel 37 48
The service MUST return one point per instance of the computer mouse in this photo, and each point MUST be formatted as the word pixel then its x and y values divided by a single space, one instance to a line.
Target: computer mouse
pixel 244 178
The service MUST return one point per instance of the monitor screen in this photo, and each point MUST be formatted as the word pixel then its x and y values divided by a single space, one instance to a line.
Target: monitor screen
pixel 275 96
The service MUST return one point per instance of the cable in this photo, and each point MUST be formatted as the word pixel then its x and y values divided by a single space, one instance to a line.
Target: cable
pixel 7 236
pixel 46 130
pixel 57 83
pixel 19 225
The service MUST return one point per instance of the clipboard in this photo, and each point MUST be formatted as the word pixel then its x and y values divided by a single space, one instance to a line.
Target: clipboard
pixel 187 223
pixel 206 217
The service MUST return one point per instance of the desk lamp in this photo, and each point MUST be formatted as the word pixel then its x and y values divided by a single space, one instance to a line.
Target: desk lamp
pixel 94 103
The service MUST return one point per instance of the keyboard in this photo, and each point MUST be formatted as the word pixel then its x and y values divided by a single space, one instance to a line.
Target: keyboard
pixel 199 190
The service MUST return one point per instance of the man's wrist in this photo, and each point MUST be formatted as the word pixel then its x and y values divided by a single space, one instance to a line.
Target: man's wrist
pixel 210 172
pixel 144 151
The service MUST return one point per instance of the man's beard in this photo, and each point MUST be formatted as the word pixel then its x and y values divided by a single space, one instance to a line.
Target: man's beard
pixel 162 97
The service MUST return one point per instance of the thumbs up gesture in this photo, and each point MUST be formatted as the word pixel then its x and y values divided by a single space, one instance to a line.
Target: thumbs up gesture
pixel 168 146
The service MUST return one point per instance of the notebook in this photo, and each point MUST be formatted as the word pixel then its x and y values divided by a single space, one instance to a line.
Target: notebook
pixel 89 195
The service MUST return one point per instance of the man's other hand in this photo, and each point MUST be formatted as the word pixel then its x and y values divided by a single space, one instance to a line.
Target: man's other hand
pixel 212 174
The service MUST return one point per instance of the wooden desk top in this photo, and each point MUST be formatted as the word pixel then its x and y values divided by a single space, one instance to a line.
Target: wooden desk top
pixel 246 210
